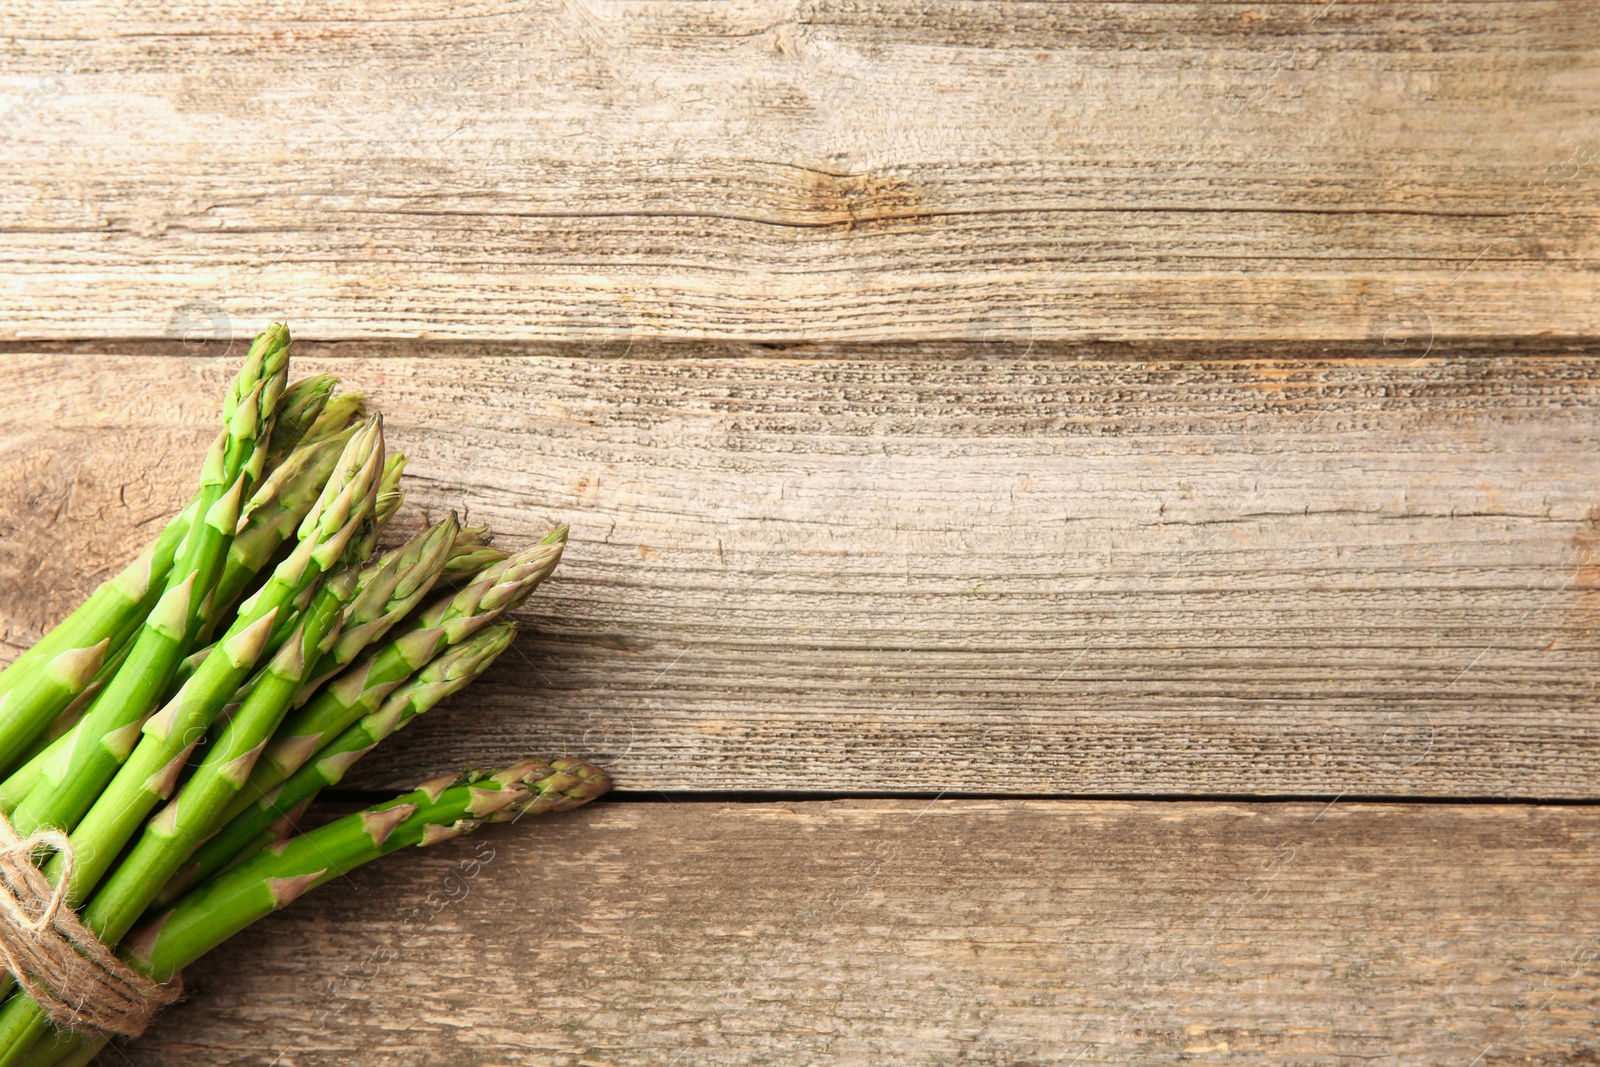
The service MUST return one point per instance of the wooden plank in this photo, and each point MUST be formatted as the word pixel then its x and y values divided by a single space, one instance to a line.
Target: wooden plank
pixel 876 573
pixel 905 932
pixel 874 170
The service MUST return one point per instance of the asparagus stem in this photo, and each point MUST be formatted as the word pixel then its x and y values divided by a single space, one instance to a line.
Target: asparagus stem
pixel 150 771
pixel 109 605
pixel 115 608
pixel 57 736
pixel 287 620
pixel 65 790
pixel 174 832
pixel 22 781
pixel 390 497
pixel 273 513
pixel 64 1050
pixel 434 812
pixel 299 408
pixel 447 674
pixel 69 716
pixel 361 689
pixel 141 582
pixel 28 709
pixel 390 587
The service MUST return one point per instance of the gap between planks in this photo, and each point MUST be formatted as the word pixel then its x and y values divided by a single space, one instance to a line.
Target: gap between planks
pixel 1002 349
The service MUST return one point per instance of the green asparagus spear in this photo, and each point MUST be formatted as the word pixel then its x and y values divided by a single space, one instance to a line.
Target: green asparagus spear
pixel 436 811
pixel 108 729
pixel 141 582
pixel 157 758
pixel 299 408
pixel 28 709
pixel 55 737
pixel 448 673
pixel 64 1050
pixel 193 813
pixel 362 689
pixel 390 587
pixel 273 513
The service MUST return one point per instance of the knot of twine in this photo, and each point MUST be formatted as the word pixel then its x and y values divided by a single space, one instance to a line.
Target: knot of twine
pixel 70 973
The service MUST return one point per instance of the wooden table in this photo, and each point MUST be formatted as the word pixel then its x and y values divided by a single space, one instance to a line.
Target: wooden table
pixel 1084 515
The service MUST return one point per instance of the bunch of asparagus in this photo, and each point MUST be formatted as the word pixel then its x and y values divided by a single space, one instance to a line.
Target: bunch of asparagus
pixel 178 723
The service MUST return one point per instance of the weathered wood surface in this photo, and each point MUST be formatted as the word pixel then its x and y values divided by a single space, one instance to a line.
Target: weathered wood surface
pixel 1004 933
pixel 1013 574
pixel 1372 170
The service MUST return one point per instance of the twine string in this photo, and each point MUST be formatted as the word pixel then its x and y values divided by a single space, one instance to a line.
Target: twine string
pixel 78 981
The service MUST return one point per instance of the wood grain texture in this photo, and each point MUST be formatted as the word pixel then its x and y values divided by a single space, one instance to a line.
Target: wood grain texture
pixel 873 170
pixel 994 575
pixel 1003 933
